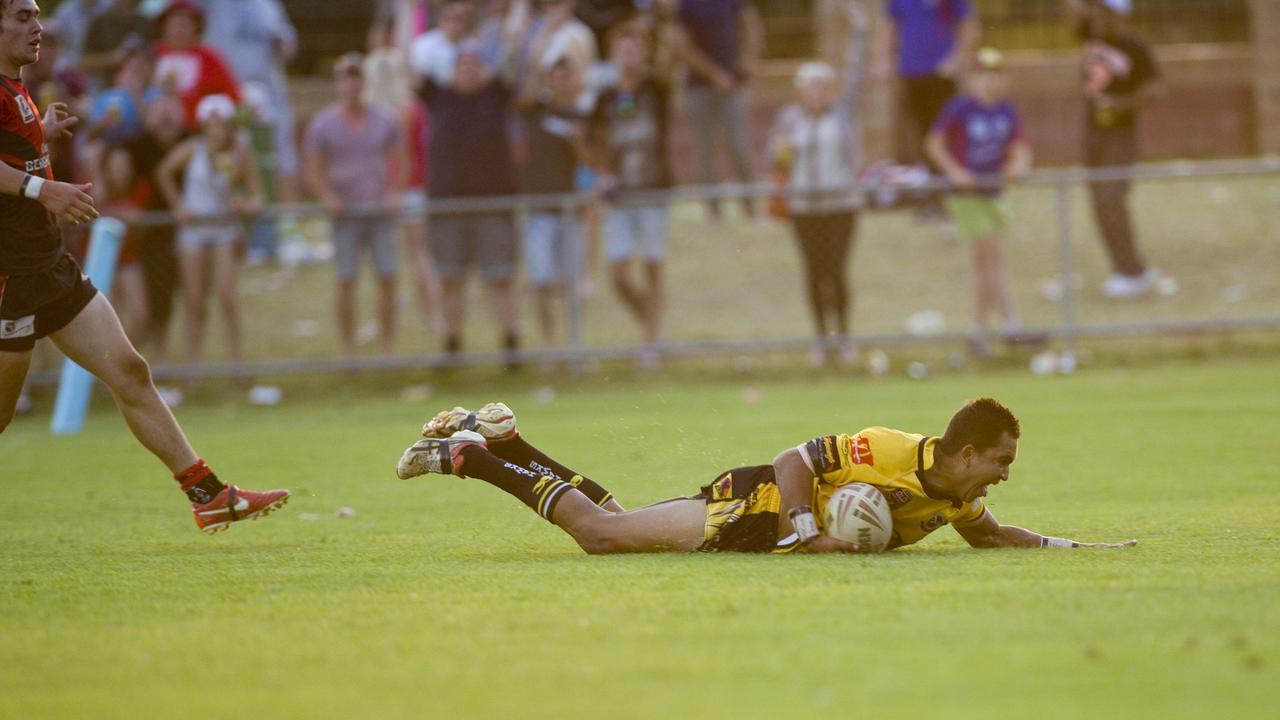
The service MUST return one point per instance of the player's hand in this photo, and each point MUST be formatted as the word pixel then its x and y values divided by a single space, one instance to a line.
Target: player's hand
pixel 1110 546
pixel 72 203
pixel 58 121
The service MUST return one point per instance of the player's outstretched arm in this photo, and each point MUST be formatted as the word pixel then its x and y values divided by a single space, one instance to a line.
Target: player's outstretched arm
pixel 989 533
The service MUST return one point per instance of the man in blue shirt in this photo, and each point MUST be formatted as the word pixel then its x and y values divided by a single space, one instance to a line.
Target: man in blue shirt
pixel 933 39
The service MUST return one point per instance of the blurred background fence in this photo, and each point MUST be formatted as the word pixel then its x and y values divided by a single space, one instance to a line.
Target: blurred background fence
pixel 736 288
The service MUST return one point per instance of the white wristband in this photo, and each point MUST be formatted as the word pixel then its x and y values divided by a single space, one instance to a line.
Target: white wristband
pixel 1053 542
pixel 32 187
pixel 804 523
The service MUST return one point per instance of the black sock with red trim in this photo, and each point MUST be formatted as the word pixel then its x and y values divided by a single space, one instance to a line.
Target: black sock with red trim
pixel 199 482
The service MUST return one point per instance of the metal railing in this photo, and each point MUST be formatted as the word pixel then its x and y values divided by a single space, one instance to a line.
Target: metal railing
pixel 1068 330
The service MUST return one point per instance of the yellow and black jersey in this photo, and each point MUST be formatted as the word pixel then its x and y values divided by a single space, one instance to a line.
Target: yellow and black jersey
pixel 892 461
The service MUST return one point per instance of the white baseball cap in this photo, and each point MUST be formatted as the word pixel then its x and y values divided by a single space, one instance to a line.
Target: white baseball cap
pixel 1120 7
pixel 813 72
pixel 215 106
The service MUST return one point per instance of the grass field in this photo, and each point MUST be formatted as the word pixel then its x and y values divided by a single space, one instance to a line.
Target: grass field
pixel 443 598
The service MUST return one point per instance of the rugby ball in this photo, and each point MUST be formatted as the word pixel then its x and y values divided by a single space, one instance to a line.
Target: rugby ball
pixel 858 513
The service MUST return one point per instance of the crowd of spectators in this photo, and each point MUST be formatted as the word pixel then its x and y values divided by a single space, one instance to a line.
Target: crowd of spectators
pixel 186 109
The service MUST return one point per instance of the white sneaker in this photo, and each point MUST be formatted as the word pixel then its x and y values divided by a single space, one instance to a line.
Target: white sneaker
pixel 442 456
pixel 1123 287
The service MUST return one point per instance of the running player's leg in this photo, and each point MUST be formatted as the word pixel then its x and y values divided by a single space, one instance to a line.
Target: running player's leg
pixel 96 341
pixel 676 526
pixel 13 371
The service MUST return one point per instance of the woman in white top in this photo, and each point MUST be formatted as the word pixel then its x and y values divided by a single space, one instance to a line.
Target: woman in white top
pixel 816 145
pixel 220 184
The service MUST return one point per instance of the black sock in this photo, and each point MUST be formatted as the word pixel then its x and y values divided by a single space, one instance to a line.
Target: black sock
pixel 540 492
pixel 518 451
pixel 199 482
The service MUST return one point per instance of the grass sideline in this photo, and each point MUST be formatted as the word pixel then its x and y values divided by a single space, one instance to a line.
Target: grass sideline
pixel 444 598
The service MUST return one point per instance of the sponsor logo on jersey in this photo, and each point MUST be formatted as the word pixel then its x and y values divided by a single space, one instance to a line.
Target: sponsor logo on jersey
pixel 722 489
pixel 933 523
pixel 24 107
pixel 35 166
pixel 22 327
pixel 897 497
pixel 860 451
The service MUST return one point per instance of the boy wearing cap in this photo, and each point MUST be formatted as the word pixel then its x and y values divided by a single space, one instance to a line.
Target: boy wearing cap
pixel 977 141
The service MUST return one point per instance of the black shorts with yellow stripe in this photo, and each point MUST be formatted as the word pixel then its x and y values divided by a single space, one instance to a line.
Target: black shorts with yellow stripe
pixel 742 512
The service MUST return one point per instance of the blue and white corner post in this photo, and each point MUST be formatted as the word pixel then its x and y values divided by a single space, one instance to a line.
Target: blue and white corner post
pixel 76 384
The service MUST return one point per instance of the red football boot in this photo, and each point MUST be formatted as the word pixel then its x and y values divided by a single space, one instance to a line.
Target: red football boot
pixel 234 504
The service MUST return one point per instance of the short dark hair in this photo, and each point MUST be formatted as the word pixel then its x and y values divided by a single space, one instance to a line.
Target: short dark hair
pixel 980 423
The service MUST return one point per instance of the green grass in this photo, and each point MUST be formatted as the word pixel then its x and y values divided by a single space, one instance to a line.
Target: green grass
pixel 443 598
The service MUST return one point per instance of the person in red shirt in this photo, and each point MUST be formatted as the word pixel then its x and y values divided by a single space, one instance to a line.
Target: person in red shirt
pixel 43 292
pixel 185 66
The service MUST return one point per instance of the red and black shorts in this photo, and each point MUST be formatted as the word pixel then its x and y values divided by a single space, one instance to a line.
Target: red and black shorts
pixel 34 306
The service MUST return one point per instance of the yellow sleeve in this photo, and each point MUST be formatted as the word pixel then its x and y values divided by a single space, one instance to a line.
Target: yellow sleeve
pixel 837 459
pixel 970 514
